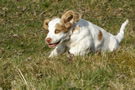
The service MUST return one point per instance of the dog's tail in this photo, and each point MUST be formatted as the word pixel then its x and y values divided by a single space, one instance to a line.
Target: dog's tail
pixel 120 35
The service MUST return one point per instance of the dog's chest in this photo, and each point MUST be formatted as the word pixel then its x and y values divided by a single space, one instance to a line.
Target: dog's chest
pixel 72 42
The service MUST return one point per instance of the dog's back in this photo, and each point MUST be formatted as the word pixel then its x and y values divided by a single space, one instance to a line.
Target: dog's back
pixel 98 38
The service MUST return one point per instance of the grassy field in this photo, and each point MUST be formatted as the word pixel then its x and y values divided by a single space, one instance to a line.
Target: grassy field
pixel 23 52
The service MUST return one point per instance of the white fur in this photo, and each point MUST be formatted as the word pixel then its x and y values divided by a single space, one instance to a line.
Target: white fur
pixel 85 39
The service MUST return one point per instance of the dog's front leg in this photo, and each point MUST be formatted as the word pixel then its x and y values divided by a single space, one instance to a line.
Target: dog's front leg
pixel 58 50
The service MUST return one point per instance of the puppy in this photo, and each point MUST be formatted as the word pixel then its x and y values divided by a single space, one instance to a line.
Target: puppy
pixel 79 35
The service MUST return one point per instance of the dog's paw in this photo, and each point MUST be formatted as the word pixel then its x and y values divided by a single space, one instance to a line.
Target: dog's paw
pixel 69 55
pixel 53 53
pixel 50 56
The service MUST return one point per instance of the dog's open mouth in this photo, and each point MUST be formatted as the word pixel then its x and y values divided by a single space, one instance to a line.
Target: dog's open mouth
pixel 53 45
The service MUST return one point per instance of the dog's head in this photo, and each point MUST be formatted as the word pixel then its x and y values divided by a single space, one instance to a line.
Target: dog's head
pixel 58 28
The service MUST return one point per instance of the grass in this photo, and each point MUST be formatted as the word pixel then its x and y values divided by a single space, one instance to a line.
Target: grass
pixel 23 51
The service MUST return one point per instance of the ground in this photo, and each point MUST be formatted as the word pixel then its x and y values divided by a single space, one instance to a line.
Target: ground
pixel 23 51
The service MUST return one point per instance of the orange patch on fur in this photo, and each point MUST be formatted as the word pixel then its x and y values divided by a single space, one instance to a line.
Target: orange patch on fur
pixel 67 20
pixel 67 17
pixel 57 31
pixel 77 17
pixel 46 24
pixel 64 27
pixel 76 28
pixel 71 16
pixel 100 35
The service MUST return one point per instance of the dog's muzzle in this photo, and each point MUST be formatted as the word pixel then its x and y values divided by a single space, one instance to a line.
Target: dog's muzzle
pixel 53 45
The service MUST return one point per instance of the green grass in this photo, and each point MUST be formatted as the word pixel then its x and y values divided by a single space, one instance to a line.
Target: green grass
pixel 23 51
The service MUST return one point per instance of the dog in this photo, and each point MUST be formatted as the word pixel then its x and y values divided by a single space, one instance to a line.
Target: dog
pixel 80 36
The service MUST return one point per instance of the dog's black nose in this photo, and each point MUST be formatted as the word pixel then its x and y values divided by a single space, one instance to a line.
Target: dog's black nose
pixel 48 40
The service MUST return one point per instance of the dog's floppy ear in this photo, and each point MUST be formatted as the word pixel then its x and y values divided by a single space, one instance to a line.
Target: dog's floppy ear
pixel 77 17
pixel 46 21
pixel 70 16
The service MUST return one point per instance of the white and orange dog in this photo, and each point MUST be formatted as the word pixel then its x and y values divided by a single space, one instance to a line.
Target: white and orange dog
pixel 79 35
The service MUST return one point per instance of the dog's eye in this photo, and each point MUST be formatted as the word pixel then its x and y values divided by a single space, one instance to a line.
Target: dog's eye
pixel 57 31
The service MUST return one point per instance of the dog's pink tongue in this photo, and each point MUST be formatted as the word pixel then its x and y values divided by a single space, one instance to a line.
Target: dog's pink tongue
pixel 52 45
